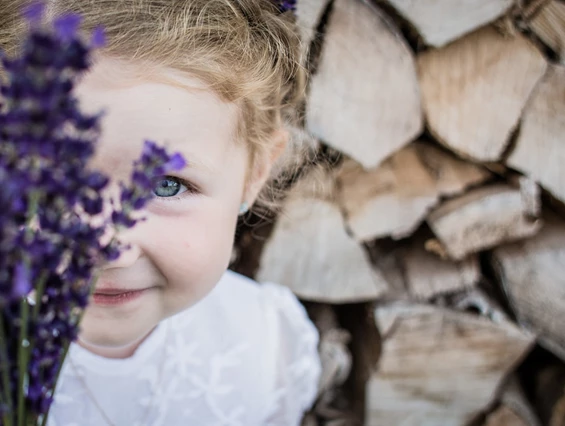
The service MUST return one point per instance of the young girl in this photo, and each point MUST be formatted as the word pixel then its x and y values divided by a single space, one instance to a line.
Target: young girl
pixel 170 336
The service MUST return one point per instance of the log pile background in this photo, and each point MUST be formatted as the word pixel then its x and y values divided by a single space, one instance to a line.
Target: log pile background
pixel 426 236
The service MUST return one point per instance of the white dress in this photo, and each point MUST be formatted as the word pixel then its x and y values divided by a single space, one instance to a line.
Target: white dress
pixel 246 355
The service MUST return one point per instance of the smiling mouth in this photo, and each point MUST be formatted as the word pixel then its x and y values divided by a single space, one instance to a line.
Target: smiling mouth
pixel 115 291
pixel 117 296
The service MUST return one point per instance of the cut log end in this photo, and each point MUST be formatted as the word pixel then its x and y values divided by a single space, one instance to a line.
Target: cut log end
pixel 482 219
pixel 456 80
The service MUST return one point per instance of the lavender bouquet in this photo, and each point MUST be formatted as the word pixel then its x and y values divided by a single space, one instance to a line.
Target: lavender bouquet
pixel 50 248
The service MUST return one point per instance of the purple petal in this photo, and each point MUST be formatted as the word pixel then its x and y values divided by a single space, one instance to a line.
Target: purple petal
pixel 177 162
pixel 34 12
pixel 66 26
pixel 148 148
pixel 98 38
pixel 22 284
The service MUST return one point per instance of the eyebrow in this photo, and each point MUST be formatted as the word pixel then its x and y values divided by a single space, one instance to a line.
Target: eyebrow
pixel 195 164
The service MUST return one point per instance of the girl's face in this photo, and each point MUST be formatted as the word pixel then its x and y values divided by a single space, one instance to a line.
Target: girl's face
pixel 180 252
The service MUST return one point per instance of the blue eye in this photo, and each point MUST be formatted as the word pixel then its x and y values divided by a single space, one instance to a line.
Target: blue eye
pixel 168 186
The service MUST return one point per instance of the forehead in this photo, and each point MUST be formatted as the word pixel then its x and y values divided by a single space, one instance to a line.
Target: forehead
pixel 172 110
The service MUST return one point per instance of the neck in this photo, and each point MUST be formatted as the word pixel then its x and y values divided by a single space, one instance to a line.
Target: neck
pixel 118 352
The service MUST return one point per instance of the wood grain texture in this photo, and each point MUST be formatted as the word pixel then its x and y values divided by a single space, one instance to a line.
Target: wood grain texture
pixel 441 21
pixel 549 25
pixel 438 366
pixel 540 147
pixel 482 219
pixel 389 200
pixel 393 199
pixel 310 252
pixel 364 99
pixel 514 398
pixel 532 273
pixel 474 90
pixel 428 276
pixel 451 174
pixel 504 416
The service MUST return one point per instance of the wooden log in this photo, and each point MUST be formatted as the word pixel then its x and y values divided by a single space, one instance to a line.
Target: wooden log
pixel 504 416
pixel 532 273
pixel 451 174
pixel 393 199
pixel 364 99
pixel 481 219
pixel 439 367
pixel 531 196
pixel 540 147
pixel 440 22
pixel 474 90
pixel 310 251
pixel 308 15
pixel 389 200
pixel 513 398
pixel 549 25
pixel 428 276
pixel 334 355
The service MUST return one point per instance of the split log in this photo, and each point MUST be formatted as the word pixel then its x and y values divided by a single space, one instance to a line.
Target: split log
pixel 504 416
pixel 308 15
pixel 439 366
pixel 513 398
pixel 549 25
pixel 482 219
pixel 451 174
pixel 540 147
pixel 389 200
pixel 474 90
pixel 310 251
pixel 532 273
pixel 531 196
pixel 364 99
pixel 428 276
pixel 334 355
pixel 393 199
pixel 440 22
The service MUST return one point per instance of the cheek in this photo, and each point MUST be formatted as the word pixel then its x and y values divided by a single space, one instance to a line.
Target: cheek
pixel 193 253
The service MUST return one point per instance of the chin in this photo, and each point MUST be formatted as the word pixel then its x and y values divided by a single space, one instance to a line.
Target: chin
pixel 110 331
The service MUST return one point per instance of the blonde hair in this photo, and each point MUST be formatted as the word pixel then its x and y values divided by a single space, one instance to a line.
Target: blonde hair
pixel 243 50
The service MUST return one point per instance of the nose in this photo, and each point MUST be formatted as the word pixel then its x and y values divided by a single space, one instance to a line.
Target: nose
pixel 128 256
pixel 128 238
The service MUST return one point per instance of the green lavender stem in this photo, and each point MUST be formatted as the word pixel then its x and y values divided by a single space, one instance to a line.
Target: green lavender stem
pixel 24 343
pixel 23 351
pixel 66 350
pixel 39 289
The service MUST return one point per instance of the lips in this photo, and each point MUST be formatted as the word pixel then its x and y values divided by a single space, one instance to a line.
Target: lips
pixel 114 291
pixel 117 296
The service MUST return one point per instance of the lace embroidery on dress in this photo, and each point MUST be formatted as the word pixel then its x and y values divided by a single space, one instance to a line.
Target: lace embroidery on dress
pixel 298 366
pixel 245 356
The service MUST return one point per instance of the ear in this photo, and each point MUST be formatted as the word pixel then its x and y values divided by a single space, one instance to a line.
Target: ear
pixel 264 163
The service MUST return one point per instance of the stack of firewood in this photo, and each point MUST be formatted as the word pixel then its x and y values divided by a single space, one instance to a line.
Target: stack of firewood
pixel 428 239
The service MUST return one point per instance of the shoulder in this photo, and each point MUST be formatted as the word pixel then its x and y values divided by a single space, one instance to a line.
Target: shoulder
pixel 272 305
pixel 276 325
pixel 290 343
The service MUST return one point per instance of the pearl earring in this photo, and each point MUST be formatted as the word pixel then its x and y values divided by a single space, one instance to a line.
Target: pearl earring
pixel 244 208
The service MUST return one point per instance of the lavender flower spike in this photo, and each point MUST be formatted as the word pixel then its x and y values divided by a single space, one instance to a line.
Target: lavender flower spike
pixel 46 143
pixel 285 5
